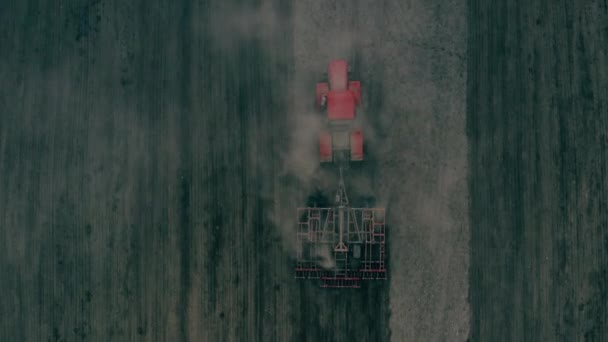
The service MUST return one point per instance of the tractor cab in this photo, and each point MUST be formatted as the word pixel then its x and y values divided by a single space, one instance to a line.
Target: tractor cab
pixel 338 99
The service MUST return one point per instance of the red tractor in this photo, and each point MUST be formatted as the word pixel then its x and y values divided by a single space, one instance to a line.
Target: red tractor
pixel 339 244
pixel 341 140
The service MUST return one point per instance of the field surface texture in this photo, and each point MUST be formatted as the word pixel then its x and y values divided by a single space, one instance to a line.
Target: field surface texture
pixel 537 124
pixel 153 154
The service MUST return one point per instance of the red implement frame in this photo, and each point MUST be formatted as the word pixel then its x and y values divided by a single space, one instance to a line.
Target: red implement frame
pixel 319 258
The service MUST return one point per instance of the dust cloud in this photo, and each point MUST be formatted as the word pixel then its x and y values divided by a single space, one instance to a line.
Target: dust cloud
pixel 298 172
pixel 231 24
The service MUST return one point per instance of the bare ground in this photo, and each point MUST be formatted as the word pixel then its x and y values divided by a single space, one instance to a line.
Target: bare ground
pixel 538 130
pixel 148 179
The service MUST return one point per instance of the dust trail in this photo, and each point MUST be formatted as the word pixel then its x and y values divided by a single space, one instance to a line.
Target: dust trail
pixel 300 157
pixel 230 24
pixel 293 163
pixel 298 170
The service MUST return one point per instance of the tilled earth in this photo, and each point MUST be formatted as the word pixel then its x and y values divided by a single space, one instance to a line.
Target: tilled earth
pixel 152 156
pixel 538 131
